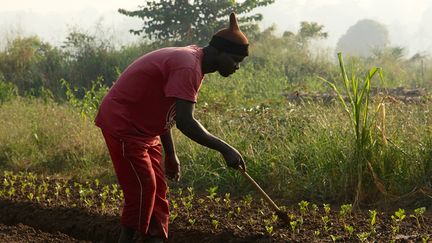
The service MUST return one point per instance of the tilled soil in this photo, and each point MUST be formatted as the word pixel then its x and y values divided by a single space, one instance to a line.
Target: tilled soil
pixel 35 209
pixel 22 233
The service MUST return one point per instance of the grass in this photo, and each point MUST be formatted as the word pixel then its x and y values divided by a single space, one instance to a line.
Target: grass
pixel 51 138
pixel 294 151
pixel 358 110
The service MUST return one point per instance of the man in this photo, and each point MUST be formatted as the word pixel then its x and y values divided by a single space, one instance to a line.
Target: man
pixel 155 92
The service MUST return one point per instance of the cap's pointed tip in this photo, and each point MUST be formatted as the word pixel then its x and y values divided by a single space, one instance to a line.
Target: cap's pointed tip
pixel 233 22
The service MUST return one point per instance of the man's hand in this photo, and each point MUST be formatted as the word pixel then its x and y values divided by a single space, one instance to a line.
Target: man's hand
pixel 172 167
pixel 234 159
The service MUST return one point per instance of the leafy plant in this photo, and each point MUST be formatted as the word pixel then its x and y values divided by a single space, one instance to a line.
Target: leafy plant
pixel 349 229
pixel 173 216
pixel 212 191
pixel 303 207
pixel 372 220
pixel 269 229
pixel 335 237
pixel 363 236
pixel 215 223
pixel 293 225
pixel 358 111
pixel 326 223
pixel 397 218
pixel 327 208
pixel 192 221
pixel 418 215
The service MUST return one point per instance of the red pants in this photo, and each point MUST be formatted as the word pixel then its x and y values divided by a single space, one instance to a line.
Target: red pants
pixel 137 163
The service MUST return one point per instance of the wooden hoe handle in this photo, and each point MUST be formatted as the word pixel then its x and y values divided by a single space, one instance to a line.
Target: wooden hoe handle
pixel 260 190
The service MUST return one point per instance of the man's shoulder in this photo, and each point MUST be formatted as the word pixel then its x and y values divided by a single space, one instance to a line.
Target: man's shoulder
pixel 186 57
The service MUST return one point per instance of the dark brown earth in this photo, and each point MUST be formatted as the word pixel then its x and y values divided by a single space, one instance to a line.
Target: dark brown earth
pixel 22 233
pixel 200 218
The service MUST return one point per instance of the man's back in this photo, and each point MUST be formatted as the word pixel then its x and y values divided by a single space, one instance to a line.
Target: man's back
pixel 141 102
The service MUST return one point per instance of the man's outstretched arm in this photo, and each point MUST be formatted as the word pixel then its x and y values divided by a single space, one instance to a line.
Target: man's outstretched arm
pixel 190 127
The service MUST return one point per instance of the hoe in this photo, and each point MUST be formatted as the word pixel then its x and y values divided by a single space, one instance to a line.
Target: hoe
pixel 281 214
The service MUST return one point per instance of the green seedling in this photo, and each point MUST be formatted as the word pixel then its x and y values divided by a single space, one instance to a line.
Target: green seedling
pixel 238 210
pixel 227 199
pixel 68 192
pixel 192 221
pixel 314 209
pixel 230 214
pixel 346 210
pixel 58 188
pixel 303 207
pixel 45 186
pixel 397 218
pixel 269 229
pixel 274 218
pixel 326 222
pixel 349 230
pixel 180 192
pixel 89 202
pixel 335 238
pixel 97 183
pixel 174 204
pixel 363 236
pixel 247 200
pixel 215 223
pixel 212 192
pixel 418 215
pixel 11 192
pixel 372 220
pixel 327 208
pixel 23 187
pixel 188 205
pixel 5 182
pixel 293 225
pixel 173 216
pixel 292 216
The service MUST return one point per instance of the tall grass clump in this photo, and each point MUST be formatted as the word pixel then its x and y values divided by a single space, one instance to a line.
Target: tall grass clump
pixel 357 108
pixel 50 138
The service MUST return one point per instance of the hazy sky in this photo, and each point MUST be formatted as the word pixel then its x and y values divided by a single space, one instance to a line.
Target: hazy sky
pixel 408 21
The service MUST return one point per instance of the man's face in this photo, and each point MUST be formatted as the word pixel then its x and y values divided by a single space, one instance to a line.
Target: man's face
pixel 228 63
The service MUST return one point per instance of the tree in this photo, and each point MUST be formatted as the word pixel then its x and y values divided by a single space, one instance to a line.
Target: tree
pixel 311 30
pixel 186 21
pixel 363 38
pixel 30 64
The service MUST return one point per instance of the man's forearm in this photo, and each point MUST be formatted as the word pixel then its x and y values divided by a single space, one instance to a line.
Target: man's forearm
pixel 167 142
pixel 195 131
